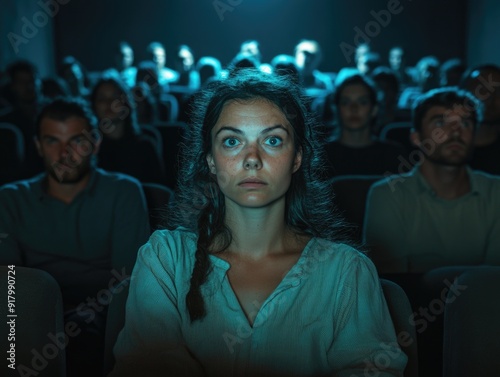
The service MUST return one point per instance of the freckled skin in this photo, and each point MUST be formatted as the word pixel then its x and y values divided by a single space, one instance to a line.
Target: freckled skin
pixel 268 156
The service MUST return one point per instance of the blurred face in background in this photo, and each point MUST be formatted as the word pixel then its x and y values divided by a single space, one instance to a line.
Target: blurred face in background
pixel 108 102
pixel 159 57
pixel 396 56
pixel 307 57
pixel 25 86
pixel 127 57
pixel 355 109
pixel 185 60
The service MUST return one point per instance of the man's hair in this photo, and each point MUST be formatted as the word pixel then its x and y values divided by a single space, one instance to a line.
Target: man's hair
pixel 450 98
pixel 63 108
pixel 355 79
pixel 21 66
pixel 153 46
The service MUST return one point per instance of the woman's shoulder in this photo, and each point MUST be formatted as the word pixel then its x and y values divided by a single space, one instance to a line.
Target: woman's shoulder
pixel 173 244
pixel 336 254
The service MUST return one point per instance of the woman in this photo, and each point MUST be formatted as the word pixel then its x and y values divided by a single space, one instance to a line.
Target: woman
pixel 355 150
pixel 253 282
pixel 124 148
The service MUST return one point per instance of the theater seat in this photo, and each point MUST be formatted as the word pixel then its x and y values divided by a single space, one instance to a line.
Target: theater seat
pixel 398 132
pixel 38 330
pixel 472 325
pixel 158 198
pixel 350 192
pixel 115 322
pixel 400 310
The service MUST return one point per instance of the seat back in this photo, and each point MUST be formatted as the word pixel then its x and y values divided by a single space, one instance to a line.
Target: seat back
pixel 471 325
pixel 350 192
pixel 37 330
pixel 398 132
pixel 400 311
pixel 115 322
pixel 12 153
pixel 171 135
pixel 158 198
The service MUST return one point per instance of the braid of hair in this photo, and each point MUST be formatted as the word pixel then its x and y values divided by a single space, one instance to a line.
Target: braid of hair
pixel 194 299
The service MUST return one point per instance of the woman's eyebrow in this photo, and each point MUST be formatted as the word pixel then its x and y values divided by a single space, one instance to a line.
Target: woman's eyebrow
pixel 240 132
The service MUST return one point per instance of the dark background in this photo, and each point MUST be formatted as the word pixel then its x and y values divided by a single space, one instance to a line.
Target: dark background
pixel 91 29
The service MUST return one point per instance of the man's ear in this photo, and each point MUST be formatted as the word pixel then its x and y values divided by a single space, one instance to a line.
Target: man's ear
pixel 415 138
pixel 211 164
pixel 297 161
pixel 374 111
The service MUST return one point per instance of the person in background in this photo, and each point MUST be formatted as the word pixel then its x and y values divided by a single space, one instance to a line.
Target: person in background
pixel 441 213
pixel 476 80
pixel 79 223
pixel 157 54
pixel 355 149
pixel 125 148
pixel 72 71
pixel 308 57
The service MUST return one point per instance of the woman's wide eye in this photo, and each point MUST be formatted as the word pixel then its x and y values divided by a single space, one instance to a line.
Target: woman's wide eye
pixel 274 141
pixel 230 142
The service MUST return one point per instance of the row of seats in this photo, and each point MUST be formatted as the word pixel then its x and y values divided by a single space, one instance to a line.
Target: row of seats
pixel 471 326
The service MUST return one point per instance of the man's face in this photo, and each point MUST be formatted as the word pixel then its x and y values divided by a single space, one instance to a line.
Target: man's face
pixel 25 86
pixel 159 57
pixel 127 57
pixel 306 57
pixel 446 136
pixel 396 58
pixel 66 151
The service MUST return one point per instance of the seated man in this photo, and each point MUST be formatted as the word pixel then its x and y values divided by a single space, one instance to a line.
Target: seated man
pixel 81 224
pixel 441 213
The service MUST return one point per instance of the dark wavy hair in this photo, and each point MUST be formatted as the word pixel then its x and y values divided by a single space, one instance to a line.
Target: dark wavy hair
pixel 200 205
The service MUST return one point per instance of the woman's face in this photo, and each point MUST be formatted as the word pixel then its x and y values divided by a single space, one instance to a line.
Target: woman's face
pixel 253 153
pixel 356 110
pixel 107 102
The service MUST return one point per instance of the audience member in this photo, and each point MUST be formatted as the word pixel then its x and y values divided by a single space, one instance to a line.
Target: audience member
pixel 72 71
pixel 209 69
pixel 356 150
pixel 308 56
pixel 23 93
pixel 81 224
pixel 146 107
pixel 185 65
pixel 158 55
pixel 451 72
pixel 285 65
pixel 388 84
pixel 366 63
pixel 254 250
pixel 477 80
pixel 124 148
pixel 397 62
pixel 427 78
pixel 124 64
pixel 251 48
pixel 441 213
